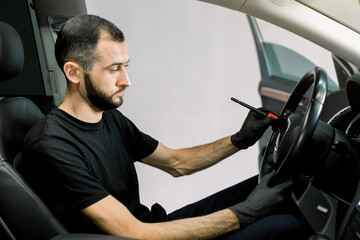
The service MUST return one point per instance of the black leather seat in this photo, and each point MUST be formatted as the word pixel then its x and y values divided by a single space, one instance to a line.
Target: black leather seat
pixel 22 214
pixel 17 116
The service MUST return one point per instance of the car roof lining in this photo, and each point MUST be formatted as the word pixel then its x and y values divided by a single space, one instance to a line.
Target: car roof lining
pixel 345 12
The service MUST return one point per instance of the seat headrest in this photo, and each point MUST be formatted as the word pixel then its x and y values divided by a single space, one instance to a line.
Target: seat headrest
pixel 353 91
pixel 11 52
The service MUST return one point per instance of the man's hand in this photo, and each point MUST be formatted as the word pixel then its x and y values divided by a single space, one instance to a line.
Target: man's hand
pixel 261 201
pixel 252 129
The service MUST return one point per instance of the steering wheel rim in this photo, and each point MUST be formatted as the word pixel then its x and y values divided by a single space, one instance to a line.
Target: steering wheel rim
pixel 288 140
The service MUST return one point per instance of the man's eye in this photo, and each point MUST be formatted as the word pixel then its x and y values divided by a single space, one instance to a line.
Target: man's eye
pixel 114 69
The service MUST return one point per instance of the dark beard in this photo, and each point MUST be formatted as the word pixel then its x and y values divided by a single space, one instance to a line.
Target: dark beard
pixel 97 97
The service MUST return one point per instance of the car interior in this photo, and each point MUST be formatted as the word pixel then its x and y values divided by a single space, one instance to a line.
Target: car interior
pixel 317 141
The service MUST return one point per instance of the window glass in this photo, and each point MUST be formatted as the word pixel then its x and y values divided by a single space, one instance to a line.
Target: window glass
pixel 292 56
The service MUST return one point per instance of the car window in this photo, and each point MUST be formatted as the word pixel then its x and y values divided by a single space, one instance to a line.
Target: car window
pixel 292 56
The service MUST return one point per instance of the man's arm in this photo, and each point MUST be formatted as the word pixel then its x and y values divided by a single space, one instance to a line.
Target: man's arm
pixel 113 218
pixel 189 160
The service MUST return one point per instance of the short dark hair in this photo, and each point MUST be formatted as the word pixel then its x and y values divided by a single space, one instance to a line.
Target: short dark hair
pixel 78 38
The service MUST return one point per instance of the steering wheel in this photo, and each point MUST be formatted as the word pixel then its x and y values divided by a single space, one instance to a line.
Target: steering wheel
pixel 294 130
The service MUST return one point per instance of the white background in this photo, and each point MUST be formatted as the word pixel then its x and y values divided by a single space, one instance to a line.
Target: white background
pixel 187 59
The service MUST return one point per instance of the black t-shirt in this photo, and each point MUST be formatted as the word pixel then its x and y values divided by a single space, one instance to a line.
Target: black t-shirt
pixel 72 164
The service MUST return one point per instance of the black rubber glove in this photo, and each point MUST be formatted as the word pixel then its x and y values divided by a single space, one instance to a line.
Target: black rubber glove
pixel 252 130
pixel 261 201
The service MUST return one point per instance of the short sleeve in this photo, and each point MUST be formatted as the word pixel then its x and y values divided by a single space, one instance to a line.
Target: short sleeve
pixel 66 185
pixel 141 144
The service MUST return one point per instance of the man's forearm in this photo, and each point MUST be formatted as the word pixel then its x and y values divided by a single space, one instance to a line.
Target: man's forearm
pixel 189 160
pixel 114 218
pixel 205 227
pixel 200 157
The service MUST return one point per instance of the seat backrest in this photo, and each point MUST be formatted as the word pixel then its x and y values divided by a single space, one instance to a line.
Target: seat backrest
pixel 17 116
pixel 22 214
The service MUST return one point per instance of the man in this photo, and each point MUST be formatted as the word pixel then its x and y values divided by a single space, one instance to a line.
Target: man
pixel 80 158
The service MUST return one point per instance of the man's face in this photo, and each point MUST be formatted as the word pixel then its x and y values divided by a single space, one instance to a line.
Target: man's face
pixel 98 97
pixel 105 84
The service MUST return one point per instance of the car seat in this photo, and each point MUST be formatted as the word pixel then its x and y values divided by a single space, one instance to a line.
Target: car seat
pixel 22 214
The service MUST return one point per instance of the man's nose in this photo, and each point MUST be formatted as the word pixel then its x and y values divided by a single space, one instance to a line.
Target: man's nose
pixel 123 79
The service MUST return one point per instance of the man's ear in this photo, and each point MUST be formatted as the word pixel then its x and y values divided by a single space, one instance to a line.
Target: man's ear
pixel 73 72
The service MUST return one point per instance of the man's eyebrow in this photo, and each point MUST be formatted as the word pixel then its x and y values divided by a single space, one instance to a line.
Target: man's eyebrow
pixel 118 63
